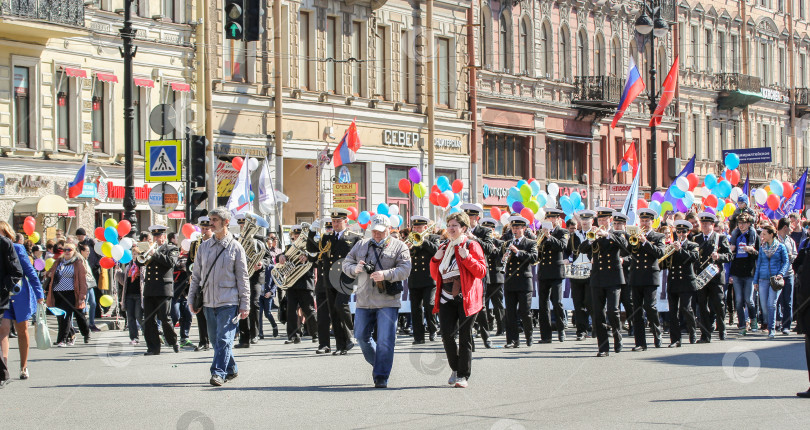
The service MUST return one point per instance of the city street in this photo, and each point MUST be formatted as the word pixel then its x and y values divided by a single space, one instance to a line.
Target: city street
pixel 748 383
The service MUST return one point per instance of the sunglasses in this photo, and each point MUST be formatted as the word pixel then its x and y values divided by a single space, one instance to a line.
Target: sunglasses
pixel 68 250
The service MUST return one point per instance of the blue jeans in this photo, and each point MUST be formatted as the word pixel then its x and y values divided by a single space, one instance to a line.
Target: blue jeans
pixel 180 312
pixel 768 299
pixel 221 332
pixel 379 354
pixel 266 310
pixel 744 298
pixel 91 306
pixel 786 302
pixel 132 304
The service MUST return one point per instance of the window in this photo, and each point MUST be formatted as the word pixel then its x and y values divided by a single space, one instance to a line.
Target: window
pixel 136 124
pixel 304 50
pixel 405 69
pixel 565 54
pixel 563 160
pixel 357 174
pixel 694 144
pixel 763 135
pixel 524 46
pixel 168 10
pixel 707 48
pixel 801 9
pixel 764 69
pixel 63 111
pixel 582 53
pixel 599 56
pixel 357 54
pixel 546 51
pixel 504 155
pixel 721 51
pixel 485 38
pixel 735 135
pixel 381 64
pixel 99 110
pixel 694 48
pixel 443 71
pixel 331 52
pixel 394 196
pixel 735 57
pixel 616 57
pixel 235 55
pixel 723 137
pixel 505 45
pixel 710 138
pixel 802 64
pixel 783 144
pixel 22 107
pixel 782 68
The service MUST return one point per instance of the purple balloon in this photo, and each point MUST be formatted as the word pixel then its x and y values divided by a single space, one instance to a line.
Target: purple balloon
pixel 681 207
pixel 658 196
pixel 415 175
pixel 536 224
pixel 711 211
pixel 517 207
pixel 39 264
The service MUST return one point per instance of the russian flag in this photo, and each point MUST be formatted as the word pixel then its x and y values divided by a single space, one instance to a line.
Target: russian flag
pixel 75 187
pixel 629 161
pixel 632 88
pixel 346 151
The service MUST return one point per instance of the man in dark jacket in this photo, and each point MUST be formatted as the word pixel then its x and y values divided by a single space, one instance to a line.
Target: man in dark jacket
pixel 550 274
pixel 713 248
pixel 521 253
pixel 645 278
pixel 10 274
pixel 158 288
pixel 494 291
pixel 802 264
pixel 681 283
pixel 421 286
pixel 301 294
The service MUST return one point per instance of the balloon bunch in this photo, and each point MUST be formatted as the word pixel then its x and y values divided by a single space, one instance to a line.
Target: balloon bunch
pixel 502 216
pixel 571 203
pixel 446 195
pixel 772 194
pixel 29 227
pixel 109 245
pixel 192 233
pixel 413 182
pixel 237 163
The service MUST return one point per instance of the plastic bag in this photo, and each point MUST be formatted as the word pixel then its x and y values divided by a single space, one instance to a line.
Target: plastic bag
pixel 42 333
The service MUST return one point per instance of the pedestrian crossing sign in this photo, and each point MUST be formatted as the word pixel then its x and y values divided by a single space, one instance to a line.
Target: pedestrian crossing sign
pixel 163 161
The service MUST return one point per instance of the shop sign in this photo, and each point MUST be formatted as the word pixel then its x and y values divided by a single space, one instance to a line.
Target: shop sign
pixel 447 143
pixel 89 191
pixel 400 138
pixel 345 195
pixel 28 181
pixel 226 178
pixel 497 192
pixel 2 184
pixel 177 215
pixel 163 199
pixel 117 192
pixel 232 150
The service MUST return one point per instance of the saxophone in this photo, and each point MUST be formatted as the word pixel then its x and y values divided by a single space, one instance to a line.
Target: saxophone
pixel 285 275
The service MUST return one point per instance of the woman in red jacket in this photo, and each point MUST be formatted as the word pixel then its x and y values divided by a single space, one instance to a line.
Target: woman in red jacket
pixel 460 297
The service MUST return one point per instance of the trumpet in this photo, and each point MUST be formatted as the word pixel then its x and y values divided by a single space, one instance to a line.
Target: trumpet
pixel 668 251
pixel 636 233
pixel 416 239
pixel 591 234
pixel 146 253
pixel 546 231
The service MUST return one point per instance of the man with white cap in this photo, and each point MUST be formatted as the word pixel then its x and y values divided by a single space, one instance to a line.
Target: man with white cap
pixel 581 287
pixel 645 278
pixel 494 281
pixel 158 288
pixel 380 264
pixel 550 274
pixel 713 249
pixel 300 295
pixel 681 285
pixel 421 286
pixel 520 254
pixel 625 295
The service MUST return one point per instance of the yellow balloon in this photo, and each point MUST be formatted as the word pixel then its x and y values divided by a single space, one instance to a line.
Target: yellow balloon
pixel 111 223
pixel 34 237
pixel 106 249
pixel 657 222
pixel 106 301
pixel 729 209
pixel 49 263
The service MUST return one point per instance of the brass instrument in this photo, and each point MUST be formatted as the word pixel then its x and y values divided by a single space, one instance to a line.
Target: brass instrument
pixel 506 254
pixel 636 233
pixel 591 234
pixel 546 231
pixel 286 274
pixel 147 252
pixel 669 250
pixel 416 239
pixel 252 254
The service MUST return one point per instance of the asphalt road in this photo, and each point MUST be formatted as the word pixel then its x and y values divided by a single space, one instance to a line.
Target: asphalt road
pixel 740 383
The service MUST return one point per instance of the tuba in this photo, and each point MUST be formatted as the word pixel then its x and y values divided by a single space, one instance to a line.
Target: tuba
pixel 286 274
pixel 253 254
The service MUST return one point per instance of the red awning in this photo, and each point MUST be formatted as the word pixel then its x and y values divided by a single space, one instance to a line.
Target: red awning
pixel 177 215
pixel 181 87
pixel 107 77
pixel 75 73
pixel 71 214
pixel 146 83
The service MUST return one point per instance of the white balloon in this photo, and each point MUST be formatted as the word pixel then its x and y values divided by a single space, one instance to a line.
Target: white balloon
pixel 97 247
pixel 396 220
pixel 504 218
pixel 185 244
pixel 551 203
pixel 117 252
pixel 735 193
pixel 541 214
pixel 194 236
pixel 553 190
pixel 761 196
pixel 393 210
pixel 126 243
pixel 682 183
pixel 253 164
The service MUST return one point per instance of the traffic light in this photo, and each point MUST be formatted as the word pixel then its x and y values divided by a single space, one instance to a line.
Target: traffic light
pixel 196 162
pixel 234 19
pixel 193 209
pixel 252 20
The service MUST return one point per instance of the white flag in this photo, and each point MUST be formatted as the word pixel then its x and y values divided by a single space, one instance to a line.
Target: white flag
pixel 630 206
pixel 267 198
pixel 239 202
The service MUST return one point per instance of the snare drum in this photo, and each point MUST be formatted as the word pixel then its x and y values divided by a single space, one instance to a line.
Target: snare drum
pixel 577 271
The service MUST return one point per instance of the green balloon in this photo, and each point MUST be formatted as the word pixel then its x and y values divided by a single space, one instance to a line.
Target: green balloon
pixel 533 205
pixel 526 192
pixel 666 206
pixel 419 190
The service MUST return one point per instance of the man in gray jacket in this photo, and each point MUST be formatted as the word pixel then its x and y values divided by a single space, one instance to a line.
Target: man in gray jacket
pixel 220 269
pixel 380 264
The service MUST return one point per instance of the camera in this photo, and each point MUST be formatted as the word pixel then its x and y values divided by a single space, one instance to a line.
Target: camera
pixel 368 268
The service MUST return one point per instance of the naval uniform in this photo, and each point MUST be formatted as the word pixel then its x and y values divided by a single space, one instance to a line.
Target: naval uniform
pixel 518 283
pixel 249 327
pixel 494 288
pixel 681 289
pixel 711 299
pixel 645 278
pixel 580 288
pixel 300 294
pixel 483 235
pixel 158 287
pixel 422 288
pixel 550 274
pixel 322 305
pixel 607 277
pixel 202 326
pixel 626 293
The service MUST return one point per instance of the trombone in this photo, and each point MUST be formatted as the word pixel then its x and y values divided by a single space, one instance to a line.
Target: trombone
pixel 416 239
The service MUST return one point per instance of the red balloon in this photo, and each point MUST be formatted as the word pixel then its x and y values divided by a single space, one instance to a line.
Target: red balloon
pixel 528 214
pixel 710 201
pixel 188 230
pixel 352 213
pixel 773 202
pixel 99 233
pixel 405 186
pixel 364 226
pixel 442 200
pixel 530 180
pixel 495 212
pixel 458 186
pixel 30 219
pixel 107 263
pixel 433 198
pixel 693 181
pixel 734 177
pixel 237 163
pixel 435 189
pixel 28 228
pixel 124 227
pixel 787 189
pixel 642 204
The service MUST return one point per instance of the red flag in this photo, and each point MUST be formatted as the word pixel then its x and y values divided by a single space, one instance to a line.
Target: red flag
pixel 670 83
pixel 629 161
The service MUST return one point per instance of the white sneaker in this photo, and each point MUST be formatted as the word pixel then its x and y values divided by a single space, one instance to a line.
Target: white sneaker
pixel 461 383
pixel 453 378
pixel 60 345
pixel 133 342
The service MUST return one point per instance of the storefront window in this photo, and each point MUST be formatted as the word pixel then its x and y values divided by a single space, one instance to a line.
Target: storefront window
pixel 504 155
pixel 563 160
pixel 357 174
pixel 452 175
pixel 393 195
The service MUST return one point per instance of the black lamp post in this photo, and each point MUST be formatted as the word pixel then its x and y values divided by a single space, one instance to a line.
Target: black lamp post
pixel 650 24
pixel 128 53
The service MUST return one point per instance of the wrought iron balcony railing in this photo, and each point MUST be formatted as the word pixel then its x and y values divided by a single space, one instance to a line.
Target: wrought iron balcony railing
pixel 605 89
pixel 66 12
pixel 738 82
pixel 803 96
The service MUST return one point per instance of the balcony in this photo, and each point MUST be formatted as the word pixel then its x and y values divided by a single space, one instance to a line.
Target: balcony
pixel 737 90
pixel 599 91
pixel 802 101
pixel 41 19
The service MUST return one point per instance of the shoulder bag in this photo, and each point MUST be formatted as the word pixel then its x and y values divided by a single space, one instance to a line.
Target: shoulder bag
pixel 776 282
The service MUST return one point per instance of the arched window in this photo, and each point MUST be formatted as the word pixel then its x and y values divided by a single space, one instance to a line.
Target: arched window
pixel 505 43
pixel 546 51
pixel 599 56
pixel 582 53
pixel 525 48
pixel 565 54
pixel 486 37
pixel 616 57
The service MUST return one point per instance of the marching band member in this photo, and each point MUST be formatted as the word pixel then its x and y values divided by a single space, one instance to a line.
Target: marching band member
pixel 606 280
pixel 422 286
pixel 681 283
pixel 322 303
pixel 550 273
pixel 158 287
pixel 581 288
pixel 300 294
pixel 625 296
pixel 494 281
pixel 713 249
pixel 520 254
pixel 645 278
pixel 249 327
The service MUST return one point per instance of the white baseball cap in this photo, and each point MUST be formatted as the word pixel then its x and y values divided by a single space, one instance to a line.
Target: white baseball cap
pixel 380 223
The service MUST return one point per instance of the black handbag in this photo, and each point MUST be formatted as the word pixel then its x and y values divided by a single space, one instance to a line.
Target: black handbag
pixel 391 288
pixel 197 300
pixel 777 283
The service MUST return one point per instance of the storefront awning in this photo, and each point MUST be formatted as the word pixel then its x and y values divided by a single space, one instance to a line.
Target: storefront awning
pixel 52 204
pixel 514 131
pixel 180 87
pixel 146 83
pixel 560 136
pixel 107 77
pixel 75 73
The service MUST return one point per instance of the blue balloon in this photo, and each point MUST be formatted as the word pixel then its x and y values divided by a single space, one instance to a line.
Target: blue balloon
pixel 732 161
pixel 252 196
pixel 454 210
pixel 521 182
pixel 382 209
pixel 111 234
pixel 126 258
pixel 514 193
pixel 677 192
pixel 541 200
pixel 456 200
pixel 576 199
pixel 720 205
pixel 581 206
pixel 687 201
pixel 711 181
pixel 725 188
pixel 568 217
pixel 536 188
pixel 509 201
pixel 443 183
pixel 566 204
pixel 776 187
pixel 656 206
pixel 723 174
pixel 363 217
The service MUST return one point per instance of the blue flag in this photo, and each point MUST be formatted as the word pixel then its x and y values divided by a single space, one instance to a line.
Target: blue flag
pixel 794 204
pixel 747 187
pixel 630 206
pixel 689 168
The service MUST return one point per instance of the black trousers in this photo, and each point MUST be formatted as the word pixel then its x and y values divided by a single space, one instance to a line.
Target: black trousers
pixel 680 306
pixel 645 300
pixel 154 309
pixel 494 295
pixel 202 327
pixel 453 318
pixel 518 303
pixel 626 299
pixel 803 318
pixel 422 300
pixel 341 314
pixel 4 376
pixel 481 318
pixel 711 303
pixel 324 320
pixel 581 296
pixel 605 320
pixel 249 327
pixel 306 301
pixel 66 300
pixel 550 289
